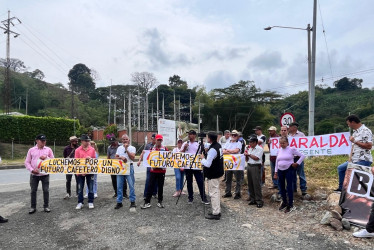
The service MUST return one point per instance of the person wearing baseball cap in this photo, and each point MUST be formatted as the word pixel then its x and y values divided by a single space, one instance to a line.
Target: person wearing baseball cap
pixel 39 152
pixel 157 175
pixel 191 146
pixel 149 146
pixel 261 142
pixel 272 134
pixel 233 146
pixel 69 152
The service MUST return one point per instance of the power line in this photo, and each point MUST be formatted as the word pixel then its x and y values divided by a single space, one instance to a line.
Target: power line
pixel 42 42
pixel 42 51
pixel 324 35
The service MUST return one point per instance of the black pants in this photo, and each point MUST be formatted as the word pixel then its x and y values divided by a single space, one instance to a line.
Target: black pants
pixel 370 225
pixel 68 184
pixel 199 181
pixel 114 183
pixel 34 182
pixel 158 178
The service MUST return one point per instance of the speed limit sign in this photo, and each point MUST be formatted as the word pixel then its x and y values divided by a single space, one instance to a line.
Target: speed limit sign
pixel 287 119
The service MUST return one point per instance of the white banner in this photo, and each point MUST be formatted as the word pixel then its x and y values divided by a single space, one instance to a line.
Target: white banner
pixel 167 129
pixel 168 159
pixel 330 144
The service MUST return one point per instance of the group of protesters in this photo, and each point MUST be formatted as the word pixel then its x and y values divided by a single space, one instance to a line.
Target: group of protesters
pixel 286 167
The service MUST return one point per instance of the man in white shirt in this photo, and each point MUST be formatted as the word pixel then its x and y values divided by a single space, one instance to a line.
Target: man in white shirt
pixel 126 153
pixel 233 147
pixel 191 146
pixel 254 159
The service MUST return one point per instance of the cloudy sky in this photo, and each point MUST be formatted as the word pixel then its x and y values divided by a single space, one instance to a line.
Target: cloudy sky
pixel 206 42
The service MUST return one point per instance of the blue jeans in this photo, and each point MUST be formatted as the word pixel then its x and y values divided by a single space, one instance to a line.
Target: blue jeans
pixel 299 172
pixel 130 181
pixel 179 176
pixel 343 167
pixel 89 179
pixel 275 181
pixel 283 177
pixel 94 185
pixel 147 184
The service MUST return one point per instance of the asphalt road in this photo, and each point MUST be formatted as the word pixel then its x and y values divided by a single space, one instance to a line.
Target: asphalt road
pixel 179 226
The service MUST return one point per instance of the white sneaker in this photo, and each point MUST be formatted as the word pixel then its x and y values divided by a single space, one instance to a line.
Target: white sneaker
pixel 95 195
pixel 90 205
pixel 79 206
pixel 363 234
pixel 85 196
pixel 67 196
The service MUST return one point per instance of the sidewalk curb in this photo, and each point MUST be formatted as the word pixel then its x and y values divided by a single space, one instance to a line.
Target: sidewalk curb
pixel 12 167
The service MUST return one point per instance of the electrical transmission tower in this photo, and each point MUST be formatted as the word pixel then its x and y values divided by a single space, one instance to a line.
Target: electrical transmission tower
pixel 6 26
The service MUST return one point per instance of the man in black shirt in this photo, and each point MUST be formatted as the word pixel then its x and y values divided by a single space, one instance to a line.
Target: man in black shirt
pixel 69 152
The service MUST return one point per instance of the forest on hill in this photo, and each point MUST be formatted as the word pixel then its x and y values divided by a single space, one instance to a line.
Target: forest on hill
pixel 240 106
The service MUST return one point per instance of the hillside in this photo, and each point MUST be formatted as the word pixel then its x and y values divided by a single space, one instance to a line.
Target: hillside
pixel 332 106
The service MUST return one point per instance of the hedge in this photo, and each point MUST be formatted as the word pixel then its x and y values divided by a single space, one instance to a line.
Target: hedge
pixel 24 128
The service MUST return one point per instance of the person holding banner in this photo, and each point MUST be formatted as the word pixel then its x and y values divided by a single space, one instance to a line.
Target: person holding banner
pixel 294 132
pixel 111 154
pixel 179 172
pixel 233 146
pixel 368 232
pixel 253 156
pixel 362 142
pixel 126 153
pixel 149 146
pixel 157 175
pixel 284 172
pixel 191 146
pixel 87 152
pixel 39 152
pixel 93 144
pixel 69 151
pixel 272 134
pixel 213 170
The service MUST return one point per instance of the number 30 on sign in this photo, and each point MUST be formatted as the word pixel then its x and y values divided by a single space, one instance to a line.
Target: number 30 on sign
pixel 286 119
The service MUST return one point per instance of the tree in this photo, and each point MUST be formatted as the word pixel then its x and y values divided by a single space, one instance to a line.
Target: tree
pixel 37 74
pixel 176 82
pixel 80 79
pixel 146 80
pixel 15 64
pixel 348 84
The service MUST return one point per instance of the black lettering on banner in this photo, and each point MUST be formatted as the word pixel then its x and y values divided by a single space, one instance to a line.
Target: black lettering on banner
pixel 360 183
pixel 228 165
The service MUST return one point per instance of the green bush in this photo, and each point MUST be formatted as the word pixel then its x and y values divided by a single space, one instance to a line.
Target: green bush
pixel 111 130
pixel 23 129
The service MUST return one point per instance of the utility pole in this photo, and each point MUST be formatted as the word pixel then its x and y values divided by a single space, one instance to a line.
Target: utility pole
pixel 138 108
pixel 110 100
pixel 313 73
pixel 152 116
pixel 129 117
pixel 163 106
pixel 190 109
pixel 156 104
pixel 179 109
pixel 199 118
pixel 217 124
pixel 27 99
pixel 6 23
pixel 175 117
pixel 124 110
pixel 114 111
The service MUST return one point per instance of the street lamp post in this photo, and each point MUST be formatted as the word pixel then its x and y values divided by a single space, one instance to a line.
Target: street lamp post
pixel 310 82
